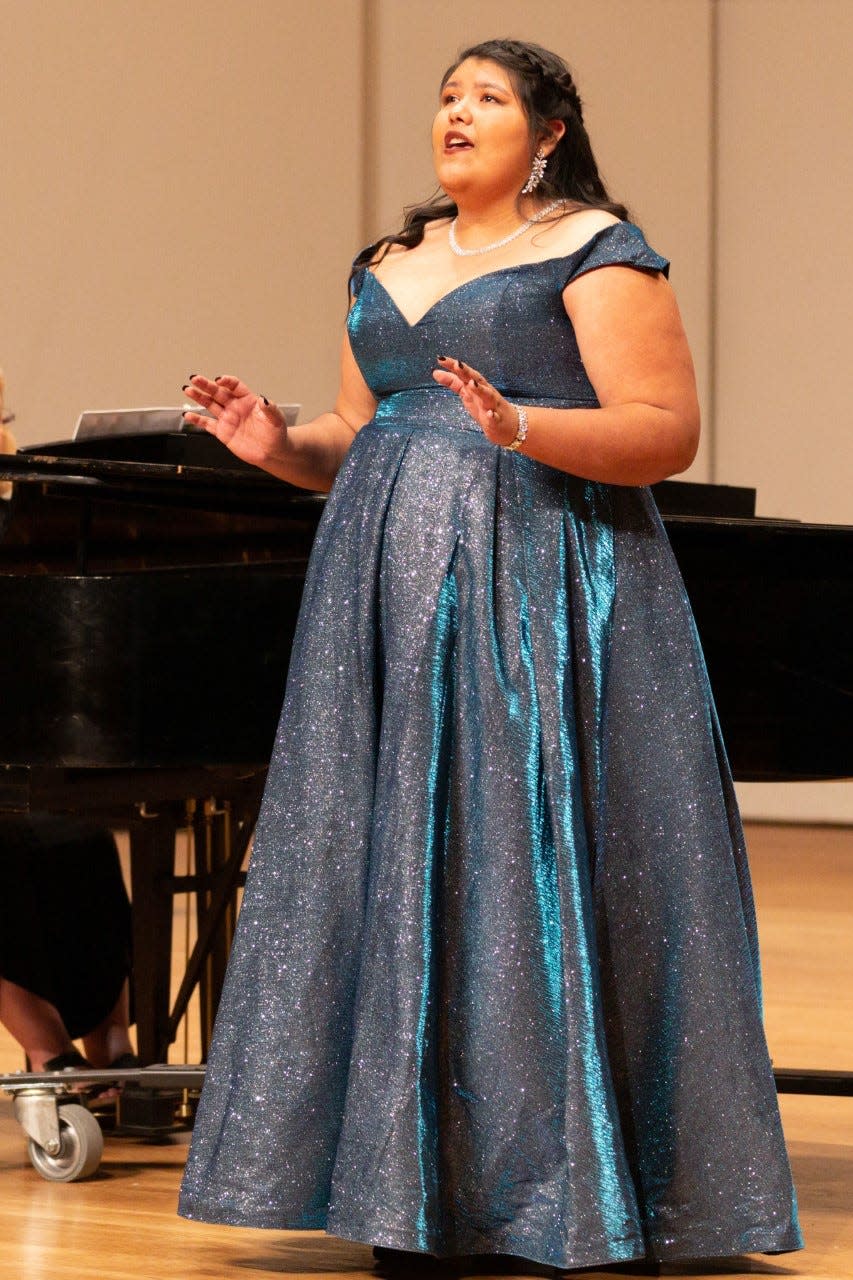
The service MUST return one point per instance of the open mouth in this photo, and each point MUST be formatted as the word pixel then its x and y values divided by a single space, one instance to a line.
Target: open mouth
pixel 456 142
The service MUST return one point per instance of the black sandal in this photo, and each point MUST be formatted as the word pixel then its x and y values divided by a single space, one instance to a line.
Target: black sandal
pixel 71 1060
pixel 103 1100
pixel 125 1062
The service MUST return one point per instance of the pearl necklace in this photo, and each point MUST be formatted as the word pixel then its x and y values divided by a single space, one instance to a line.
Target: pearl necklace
pixel 498 244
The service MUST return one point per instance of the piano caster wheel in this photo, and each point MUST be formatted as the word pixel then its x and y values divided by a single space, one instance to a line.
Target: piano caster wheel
pixel 81 1145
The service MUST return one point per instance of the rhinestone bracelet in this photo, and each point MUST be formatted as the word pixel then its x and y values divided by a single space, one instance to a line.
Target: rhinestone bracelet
pixel 521 433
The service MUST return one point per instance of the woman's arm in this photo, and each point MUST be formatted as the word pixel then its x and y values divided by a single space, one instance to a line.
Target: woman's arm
pixel 635 353
pixel 308 455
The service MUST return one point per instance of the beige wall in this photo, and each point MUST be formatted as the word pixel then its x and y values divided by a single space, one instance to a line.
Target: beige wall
pixel 785 273
pixel 179 193
pixel 184 185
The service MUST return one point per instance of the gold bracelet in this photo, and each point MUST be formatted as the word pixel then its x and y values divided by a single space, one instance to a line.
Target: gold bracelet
pixel 521 433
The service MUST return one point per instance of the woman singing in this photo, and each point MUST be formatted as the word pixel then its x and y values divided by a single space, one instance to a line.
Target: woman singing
pixel 495 984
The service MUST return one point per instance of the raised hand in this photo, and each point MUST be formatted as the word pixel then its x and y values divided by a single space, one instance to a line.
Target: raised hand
pixel 496 417
pixel 247 423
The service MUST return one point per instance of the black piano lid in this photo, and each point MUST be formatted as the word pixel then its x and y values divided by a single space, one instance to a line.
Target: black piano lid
pixel 190 453
pixel 190 448
pixel 181 470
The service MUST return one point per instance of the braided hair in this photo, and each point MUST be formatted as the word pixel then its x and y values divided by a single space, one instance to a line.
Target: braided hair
pixel 547 91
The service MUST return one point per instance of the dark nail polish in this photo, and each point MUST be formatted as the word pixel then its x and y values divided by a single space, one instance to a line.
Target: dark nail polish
pixel 193 375
pixel 266 402
pixel 185 387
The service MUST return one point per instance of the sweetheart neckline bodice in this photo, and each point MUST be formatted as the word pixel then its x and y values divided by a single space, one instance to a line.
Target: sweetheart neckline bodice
pixel 510 323
pixel 486 275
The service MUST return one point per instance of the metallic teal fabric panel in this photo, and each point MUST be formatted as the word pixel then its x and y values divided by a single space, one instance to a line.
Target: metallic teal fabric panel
pixel 495 982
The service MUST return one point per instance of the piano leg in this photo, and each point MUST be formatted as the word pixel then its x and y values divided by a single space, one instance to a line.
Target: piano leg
pixel 152 857
pixel 221 847
pixel 214 855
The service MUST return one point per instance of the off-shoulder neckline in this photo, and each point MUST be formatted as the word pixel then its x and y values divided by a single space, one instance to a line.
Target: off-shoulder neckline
pixel 498 271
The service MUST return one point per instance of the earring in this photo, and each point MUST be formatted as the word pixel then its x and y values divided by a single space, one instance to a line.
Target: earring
pixel 537 172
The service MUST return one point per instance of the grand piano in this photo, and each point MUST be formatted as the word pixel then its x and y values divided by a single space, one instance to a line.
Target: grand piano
pixel 149 588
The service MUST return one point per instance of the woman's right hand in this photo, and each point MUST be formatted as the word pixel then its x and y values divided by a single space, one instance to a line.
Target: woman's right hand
pixel 246 423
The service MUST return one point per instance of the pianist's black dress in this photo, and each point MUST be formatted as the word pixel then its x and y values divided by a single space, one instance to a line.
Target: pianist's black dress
pixel 495 982
pixel 64 916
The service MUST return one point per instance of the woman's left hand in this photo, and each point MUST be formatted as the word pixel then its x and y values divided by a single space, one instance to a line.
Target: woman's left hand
pixel 496 417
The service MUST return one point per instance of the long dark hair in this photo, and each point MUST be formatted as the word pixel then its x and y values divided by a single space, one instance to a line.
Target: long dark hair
pixel 547 92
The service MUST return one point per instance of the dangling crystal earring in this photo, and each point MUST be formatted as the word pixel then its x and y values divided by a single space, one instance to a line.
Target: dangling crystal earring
pixel 536 173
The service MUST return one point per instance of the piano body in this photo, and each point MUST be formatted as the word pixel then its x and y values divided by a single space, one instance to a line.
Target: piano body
pixel 149 588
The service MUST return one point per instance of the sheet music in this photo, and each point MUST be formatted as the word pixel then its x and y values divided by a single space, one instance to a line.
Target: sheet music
pixel 97 423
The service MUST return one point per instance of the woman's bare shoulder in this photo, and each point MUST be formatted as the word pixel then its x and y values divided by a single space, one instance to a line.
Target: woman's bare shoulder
pixel 573 230
pixel 389 256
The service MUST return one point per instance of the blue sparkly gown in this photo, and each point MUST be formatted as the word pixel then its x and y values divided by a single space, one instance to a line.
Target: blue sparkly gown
pixel 495 982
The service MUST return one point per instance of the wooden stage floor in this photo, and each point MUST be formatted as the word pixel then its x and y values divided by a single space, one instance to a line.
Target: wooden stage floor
pixel 121 1225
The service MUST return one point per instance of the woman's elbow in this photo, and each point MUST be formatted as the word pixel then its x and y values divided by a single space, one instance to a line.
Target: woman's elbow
pixel 691 429
pixel 683 441
pixel 685 450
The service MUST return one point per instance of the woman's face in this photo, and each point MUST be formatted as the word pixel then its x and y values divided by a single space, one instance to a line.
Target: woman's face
pixel 480 136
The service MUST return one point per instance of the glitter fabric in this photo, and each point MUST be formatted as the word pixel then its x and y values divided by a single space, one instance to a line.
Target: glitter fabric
pixel 495 981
